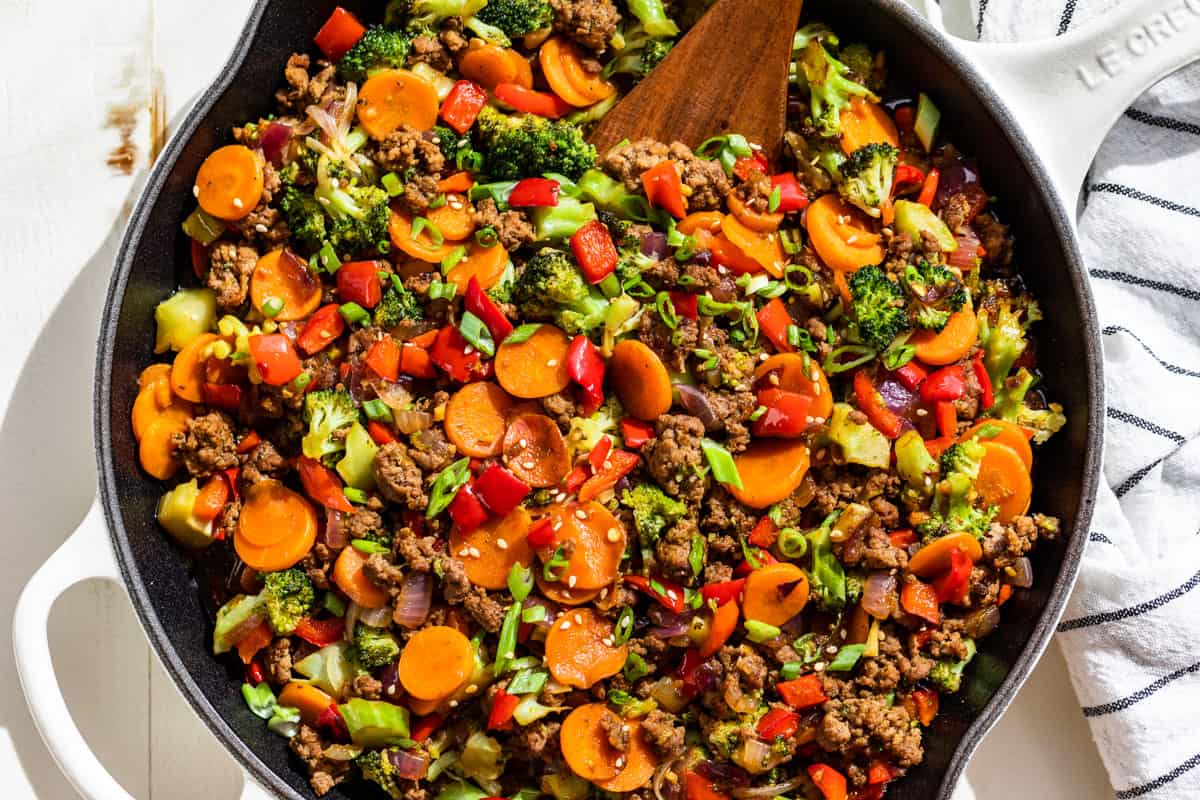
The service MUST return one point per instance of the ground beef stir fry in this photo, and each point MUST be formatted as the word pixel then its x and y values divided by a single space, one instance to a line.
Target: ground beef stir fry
pixel 664 471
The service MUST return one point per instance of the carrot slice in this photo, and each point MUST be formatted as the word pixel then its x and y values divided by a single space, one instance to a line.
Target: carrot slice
pixel 1004 481
pixel 797 373
pixel 476 419
pixel 565 595
pixel 864 123
pixel 489 552
pixel 348 574
pixel 454 219
pixel 700 221
pixel 230 182
pixel 579 649
pixel 152 374
pixel 724 623
pixel 149 404
pixel 757 221
pixel 934 558
pixel 536 367
pixel 764 248
pixel 950 344
pixel 585 746
pixel 486 264
pixel 268 509
pixel 535 452
pixel 435 662
pixel 490 65
pixel 841 234
pixel 310 701
pixel 770 469
pixel 1002 432
pixel 282 276
pixel 597 540
pixel 640 379
pixel 562 64
pixel 155 451
pixel 775 593
pixel 188 369
pixel 396 97
pixel 423 247
pixel 640 763
pixel 255 640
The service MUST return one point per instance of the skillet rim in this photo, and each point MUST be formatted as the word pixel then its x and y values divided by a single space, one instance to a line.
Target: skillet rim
pixel 914 26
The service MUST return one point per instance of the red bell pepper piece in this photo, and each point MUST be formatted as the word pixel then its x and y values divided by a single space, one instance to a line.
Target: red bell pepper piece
pixel 870 402
pixel 698 787
pixel 947 418
pixel 200 263
pixel 908 175
pixel 636 433
pixel 503 706
pixel 425 727
pixel 500 490
pixel 831 782
pixel 462 105
pixel 906 117
pixel 803 692
pixel 415 361
pixel 212 499
pixel 920 600
pixel 945 384
pixel 911 375
pixel 541 534
pixel 380 434
pixel 791 194
pixel 1005 594
pixel 458 183
pixel 223 395
pixel 723 592
pixel 250 441
pixel 599 453
pixel 687 305
pixel 987 398
pixel 575 478
pixel 743 167
pixel 763 557
pixel 586 367
pixel 618 464
pixel 879 771
pixel 322 328
pixel 902 538
pixel 543 104
pixel 330 721
pixel 926 704
pixel 952 586
pixel 339 33
pixel 778 722
pixel 765 533
pixel 231 477
pixel 455 356
pixel 930 187
pixel 466 510
pixel 275 358
pixel 384 358
pixel 321 632
pixel 534 193
pixel 593 247
pixel 773 321
pixel 254 673
pixel 788 414
pixel 321 484
pixel 664 189
pixel 478 303
pixel 669 595
pixel 936 446
pixel 358 282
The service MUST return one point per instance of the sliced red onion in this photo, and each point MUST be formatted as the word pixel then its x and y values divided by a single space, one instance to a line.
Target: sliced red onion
pixel 353 611
pixel 980 623
pixel 704 258
pixel 376 617
pixel 389 678
pixel 955 178
pixel 412 604
pixel 698 406
pixel 654 244
pixel 356 380
pixel 395 396
pixel 334 536
pixel 413 421
pixel 1022 576
pixel 967 253
pixel 409 766
pixel 740 701
pixel 879 595
pixel 753 755
pixel 723 773
pixel 898 399
pixel 426 439
pixel 774 790
pixel 274 140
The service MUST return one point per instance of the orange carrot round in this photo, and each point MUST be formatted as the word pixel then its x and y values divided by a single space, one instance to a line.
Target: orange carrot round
pixel 757 221
pixel 455 219
pixel 476 419
pixel 281 275
pixel 562 594
pixel 764 248
pixel 1004 481
pixel 841 234
pixel 950 344
pixel 490 65
pixel 152 374
pixel 585 746
pixel 640 762
pixel 724 623
pixel 802 375
pixel 155 451
pixel 598 544
pixel 350 577
pixel 277 527
pixel 579 649
pixel 435 662
pixel 562 64
pixel 187 371
pixel 700 221
pixel 536 367
pixel 489 552
pixel 396 97
pixel 230 182
pixel 310 701
pixel 864 123
pixel 775 593
pixel 640 380
pixel 485 264
pixel 934 558
pixel 423 248
pixel 535 452
pixel 770 469
pixel 1002 432
pixel 149 404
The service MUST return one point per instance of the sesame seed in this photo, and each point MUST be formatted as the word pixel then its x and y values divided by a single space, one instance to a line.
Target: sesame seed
pixel 809 420
pixel 502 544
pixel 578 618
pixel 323 201
pixel 466 551
pixel 819 666
pixel 604 593
pixel 774 379
pixel 579 514
pixel 831 649
pixel 821 454
pixel 613 534
pixel 842 633
pixel 237 203
pixel 557 524
pixel 529 464
pixel 454 704
pixel 819 420
pixel 928 481
pixel 620 764
pixel 467 350
pixel 472 689
pixel 608 641
pixel 561 496
pixel 474 552
pixel 260 228
pixel 842 219
pixel 566 625
pixel 552 362
pixel 196 190
pixel 571 581
pixel 922 412
pixel 391 690
pixel 672 595
pixel 510 654
pixel 607 464
pixel 523 442
pixel 852 239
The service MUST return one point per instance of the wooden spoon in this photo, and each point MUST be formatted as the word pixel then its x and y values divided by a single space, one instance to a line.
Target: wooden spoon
pixel 729 74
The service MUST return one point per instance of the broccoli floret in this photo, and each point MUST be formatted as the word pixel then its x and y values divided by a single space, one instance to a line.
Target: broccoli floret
pixel 1011 406
pixel 953 508
pixel 878 305
pixel 653 511
pixel 585 432
pixel 374 647
pixel 521 145
pixel 936 294
pixel 289 596
pixel 829 87
pixel 361 225
pixel 861 61
pixel 517 17
pixel 947 675
pixel 854 589
pixel 1004 336
pixel 560 222
pixel 641 54
pixel 326 411
pixel 424 14
pixel 458 149
pixel 867 176
pixel 963 457
pixel 653 16
pixel 552 288
pixel 301 210
pixel 725 736
pixel 813 32
pixel 379 48
pixel 376 767
pixel 398 304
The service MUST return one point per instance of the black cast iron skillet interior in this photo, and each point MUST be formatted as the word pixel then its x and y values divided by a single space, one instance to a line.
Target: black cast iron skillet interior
pixel 154 259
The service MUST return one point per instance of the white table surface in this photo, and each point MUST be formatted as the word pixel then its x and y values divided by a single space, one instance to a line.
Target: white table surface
pixel 61 212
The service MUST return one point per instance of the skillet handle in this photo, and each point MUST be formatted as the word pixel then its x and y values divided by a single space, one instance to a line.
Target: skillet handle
pixel 1067 92
pixel 85 555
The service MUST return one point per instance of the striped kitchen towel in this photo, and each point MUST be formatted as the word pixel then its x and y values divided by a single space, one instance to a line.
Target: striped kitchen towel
pixel 1129 632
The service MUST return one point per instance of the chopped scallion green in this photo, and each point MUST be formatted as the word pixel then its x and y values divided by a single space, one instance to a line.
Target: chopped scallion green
pixel 721 462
